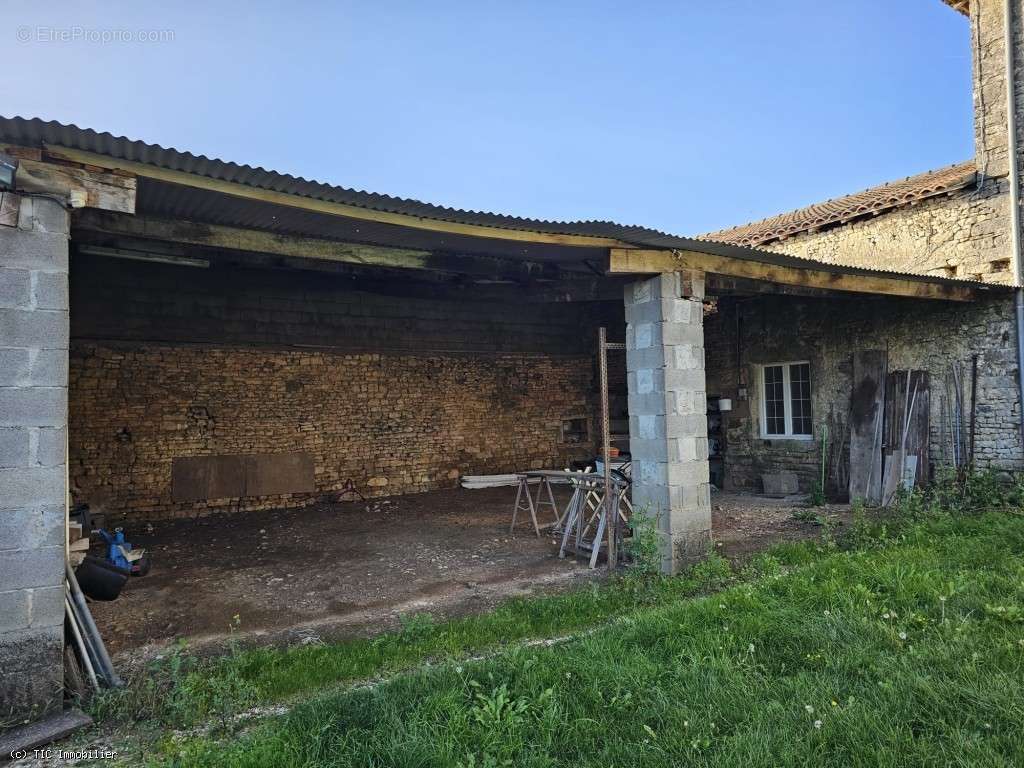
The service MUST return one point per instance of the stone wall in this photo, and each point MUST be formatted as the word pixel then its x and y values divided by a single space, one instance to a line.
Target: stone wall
pixel 917 335
pixel 397 394
pixel 966 236
pixel 33 417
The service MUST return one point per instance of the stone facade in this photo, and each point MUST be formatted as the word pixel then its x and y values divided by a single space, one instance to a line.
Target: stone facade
pixel 966 235
pixel 33 419
pixel 203 363
pixel 921 335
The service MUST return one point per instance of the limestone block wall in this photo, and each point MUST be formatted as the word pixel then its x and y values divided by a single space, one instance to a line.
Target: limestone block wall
pixel 965 236
pixel 399 395
pixel 916 334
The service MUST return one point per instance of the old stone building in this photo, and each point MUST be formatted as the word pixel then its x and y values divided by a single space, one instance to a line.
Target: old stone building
pixel 955 222
pixel 181 336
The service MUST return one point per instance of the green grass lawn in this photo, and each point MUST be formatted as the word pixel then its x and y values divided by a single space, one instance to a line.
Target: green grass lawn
pixel 901 650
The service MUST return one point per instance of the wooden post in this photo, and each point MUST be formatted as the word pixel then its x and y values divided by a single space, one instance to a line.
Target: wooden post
pixel 611 514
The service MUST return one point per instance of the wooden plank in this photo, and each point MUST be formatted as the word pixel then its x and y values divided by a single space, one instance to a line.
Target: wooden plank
pixel 279 473
pixel 89 189
pixel 899 398
pixel 867 413
pixel 644 262
pixel 723 285
pixel 310 248
pixel 199 478
pixel 10 206
pixel 324 206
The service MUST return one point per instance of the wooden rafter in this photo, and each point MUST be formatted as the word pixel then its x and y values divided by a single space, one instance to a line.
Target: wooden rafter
pixel 294 246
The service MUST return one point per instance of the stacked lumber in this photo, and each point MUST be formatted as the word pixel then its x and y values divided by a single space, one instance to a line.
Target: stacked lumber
pixel 489 481
pixel 78 544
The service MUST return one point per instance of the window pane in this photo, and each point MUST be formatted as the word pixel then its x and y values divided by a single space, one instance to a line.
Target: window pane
pixel 800 396
pixel 774 401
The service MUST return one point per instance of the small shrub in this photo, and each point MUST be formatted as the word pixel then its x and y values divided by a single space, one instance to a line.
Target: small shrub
pixel 865 534
pixel 711 573
pixel 962 493
pixel 643 547
pixel 807 515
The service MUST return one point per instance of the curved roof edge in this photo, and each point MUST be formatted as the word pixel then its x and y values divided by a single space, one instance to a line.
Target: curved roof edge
pixel 35 132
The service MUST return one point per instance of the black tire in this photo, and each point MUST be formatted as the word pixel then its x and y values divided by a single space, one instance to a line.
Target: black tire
pixel 99 579
pixel 141 566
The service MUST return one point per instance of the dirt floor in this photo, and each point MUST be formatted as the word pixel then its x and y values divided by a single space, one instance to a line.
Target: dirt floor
pixel 332 570
pixel 743 524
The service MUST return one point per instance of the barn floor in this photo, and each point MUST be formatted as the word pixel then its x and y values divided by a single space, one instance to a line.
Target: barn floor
pixel 332 570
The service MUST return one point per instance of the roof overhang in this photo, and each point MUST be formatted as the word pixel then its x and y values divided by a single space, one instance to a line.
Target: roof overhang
pixel 783 270
pixel 179 187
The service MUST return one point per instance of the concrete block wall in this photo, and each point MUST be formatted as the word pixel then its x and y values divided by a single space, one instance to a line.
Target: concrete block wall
pixel 33 426
pixel 667 407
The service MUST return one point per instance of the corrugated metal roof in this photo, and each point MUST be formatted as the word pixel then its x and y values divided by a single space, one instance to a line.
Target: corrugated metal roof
pixel 213 207
pixel 871 201
pixel 38 132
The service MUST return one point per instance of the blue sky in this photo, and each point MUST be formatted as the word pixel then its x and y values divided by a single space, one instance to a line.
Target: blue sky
pixel 683 116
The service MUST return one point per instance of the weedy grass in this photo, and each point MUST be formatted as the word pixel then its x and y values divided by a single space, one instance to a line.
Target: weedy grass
pixel 183 691
pixel 900 644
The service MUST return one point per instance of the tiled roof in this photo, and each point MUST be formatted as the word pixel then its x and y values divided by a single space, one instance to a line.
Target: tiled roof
pixel 964 6
pixel 844 209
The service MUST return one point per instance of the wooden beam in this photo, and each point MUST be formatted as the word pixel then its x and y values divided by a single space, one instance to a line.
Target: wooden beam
pixel 384 280
pixel 323 206
pixel 215 236
pixel 723 285
pixel 649 262
pixel 82 188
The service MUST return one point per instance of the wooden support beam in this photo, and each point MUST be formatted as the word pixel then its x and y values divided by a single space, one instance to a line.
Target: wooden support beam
pixel 325 206
pixel 648 262
pixel 82 188
pixel 86 225
pixel 723 285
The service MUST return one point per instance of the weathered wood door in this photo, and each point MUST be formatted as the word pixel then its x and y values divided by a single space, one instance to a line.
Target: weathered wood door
pixel 907 420
pixel 867 410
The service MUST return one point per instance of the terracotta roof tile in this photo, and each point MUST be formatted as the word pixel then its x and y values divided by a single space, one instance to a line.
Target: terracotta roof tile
pixel 964 6
pixel 843 209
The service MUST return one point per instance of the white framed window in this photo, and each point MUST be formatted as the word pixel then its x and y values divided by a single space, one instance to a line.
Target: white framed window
pixel 786 400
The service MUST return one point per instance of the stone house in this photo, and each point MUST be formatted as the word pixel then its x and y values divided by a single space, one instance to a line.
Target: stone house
pixel 181 336
pixel 955 222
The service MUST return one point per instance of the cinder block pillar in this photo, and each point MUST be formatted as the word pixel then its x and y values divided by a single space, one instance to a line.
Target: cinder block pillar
pixel 668 411
pixel 33 428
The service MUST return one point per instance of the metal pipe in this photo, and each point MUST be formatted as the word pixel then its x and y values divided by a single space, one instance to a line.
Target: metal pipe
pixel 1018 263
pixel 76 634
pixel 89 628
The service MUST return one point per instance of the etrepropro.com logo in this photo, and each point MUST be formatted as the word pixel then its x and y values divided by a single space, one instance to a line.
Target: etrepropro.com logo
pixel 92 35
